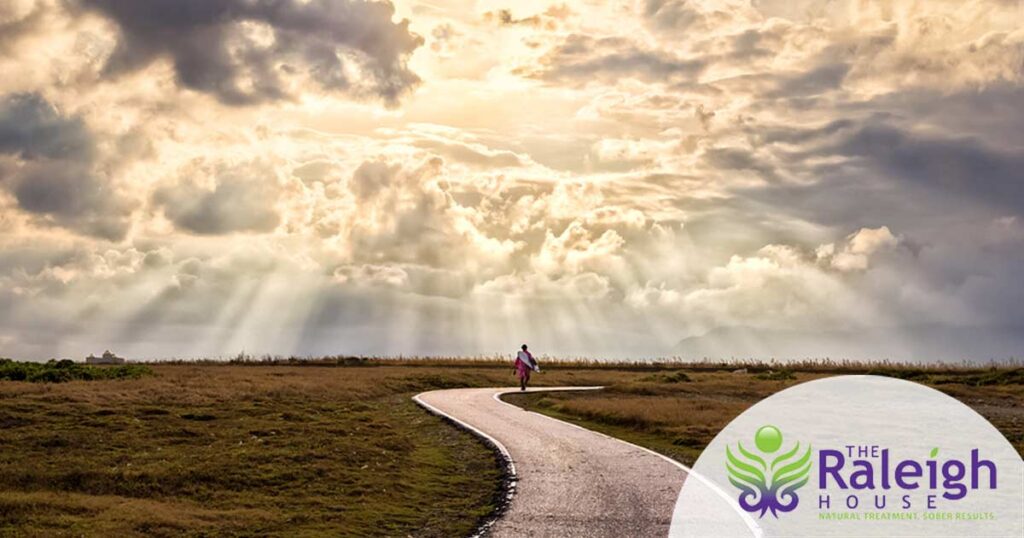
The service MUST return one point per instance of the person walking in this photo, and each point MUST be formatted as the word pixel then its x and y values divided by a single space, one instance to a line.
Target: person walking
pixel 525 363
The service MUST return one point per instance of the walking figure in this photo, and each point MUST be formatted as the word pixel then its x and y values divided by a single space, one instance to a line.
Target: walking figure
pixel 525 363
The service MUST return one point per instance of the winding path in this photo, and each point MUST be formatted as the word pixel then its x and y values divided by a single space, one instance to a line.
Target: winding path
pixel 571 481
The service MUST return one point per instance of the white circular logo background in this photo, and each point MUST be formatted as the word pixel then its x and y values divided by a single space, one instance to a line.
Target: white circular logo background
pixel 855 456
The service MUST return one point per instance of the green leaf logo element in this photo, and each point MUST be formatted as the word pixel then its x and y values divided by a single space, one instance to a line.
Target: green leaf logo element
pixel 768 487
pixel 935 452
pixel 744 471
pixel 796 472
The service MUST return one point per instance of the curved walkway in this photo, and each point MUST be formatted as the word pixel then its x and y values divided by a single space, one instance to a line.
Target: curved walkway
pixel 571 481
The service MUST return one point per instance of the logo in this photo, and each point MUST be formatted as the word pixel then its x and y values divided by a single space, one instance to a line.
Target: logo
pixel 877 457
pixel 768 482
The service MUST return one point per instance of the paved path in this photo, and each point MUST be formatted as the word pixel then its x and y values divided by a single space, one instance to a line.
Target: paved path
pixel 571 481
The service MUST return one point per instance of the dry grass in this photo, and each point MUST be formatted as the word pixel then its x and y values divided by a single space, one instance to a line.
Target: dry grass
pixel 197 450
pixel 822 365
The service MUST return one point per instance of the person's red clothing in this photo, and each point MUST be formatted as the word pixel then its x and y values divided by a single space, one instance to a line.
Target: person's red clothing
pixel 524 367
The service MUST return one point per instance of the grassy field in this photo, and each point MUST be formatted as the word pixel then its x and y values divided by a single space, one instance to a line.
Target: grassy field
pixel 678 411
pixel 233 450
pixel 335 447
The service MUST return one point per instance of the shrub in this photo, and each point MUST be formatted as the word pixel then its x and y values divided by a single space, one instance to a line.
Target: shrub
pixel 61 371
pixel 678 377
pixel 778 375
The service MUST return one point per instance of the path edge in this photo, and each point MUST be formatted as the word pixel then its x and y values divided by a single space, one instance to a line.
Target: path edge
pixel 509 478
pixel 752 525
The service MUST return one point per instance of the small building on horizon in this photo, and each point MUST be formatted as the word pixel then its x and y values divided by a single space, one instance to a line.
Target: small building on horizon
pixel 106 358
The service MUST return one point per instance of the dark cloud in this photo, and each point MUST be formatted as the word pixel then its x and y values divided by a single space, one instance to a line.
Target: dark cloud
pixel 871 171
pixel 349 46
pixel 31 128
pixel 241 201
pixel 961 167
pixel 732 158
pixel 813 82
pixel 993 112
pixel 56 178
pixel 581 58
pixel 790 135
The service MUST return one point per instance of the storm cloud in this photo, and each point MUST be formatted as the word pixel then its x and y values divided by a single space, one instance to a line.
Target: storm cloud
pixel 962 167
pixel 246 52
pixel 55 176
pixel 31 128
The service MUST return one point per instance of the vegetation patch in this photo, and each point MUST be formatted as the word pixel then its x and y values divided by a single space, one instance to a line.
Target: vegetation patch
pixel 62 371
pixel 1000 377
pixel 670 377
pixel 776 375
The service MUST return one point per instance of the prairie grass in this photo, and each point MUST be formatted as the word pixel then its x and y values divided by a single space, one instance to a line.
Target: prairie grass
pixel 810 365
pixel 196 450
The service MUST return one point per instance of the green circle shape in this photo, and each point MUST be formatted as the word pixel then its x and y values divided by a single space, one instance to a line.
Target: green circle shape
pixel 768 439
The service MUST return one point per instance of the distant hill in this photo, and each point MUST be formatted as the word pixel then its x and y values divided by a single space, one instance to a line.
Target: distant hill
pixel 915 344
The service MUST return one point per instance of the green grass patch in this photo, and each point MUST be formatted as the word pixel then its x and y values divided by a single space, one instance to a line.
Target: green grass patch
pixel 776 375
pixel 62 371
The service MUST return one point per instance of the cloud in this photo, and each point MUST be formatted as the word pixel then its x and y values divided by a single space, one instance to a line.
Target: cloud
pixel 909 166
pixel 548 20
pixel 962 167
pixel 244 52
pixel 741 159
pixel 474 154
pixel 583 286
pixel 372 275
pixel 813 82
pixel 18 19
pixel 55 177
pixel 407 216
pixel 371 177
pixel 444 37
pixel 855 254
pixel 31 128
pixel 574 251
pixel 689 17
pixel 241 199
pixel 581 58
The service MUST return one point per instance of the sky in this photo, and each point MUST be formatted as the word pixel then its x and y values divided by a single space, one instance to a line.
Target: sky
pixel 199 178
